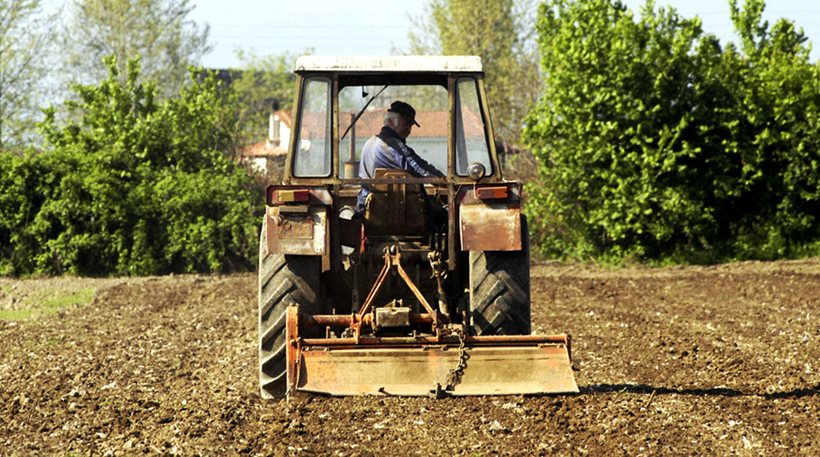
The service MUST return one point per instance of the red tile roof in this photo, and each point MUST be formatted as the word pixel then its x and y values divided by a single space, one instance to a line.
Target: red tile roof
pixel 261 149
pixel 434 124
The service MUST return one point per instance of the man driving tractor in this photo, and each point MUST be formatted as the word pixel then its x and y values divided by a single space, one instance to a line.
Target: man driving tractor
pixel 388 149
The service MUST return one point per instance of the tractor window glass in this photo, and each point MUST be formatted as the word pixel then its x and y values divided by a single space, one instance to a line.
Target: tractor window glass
pixel 428 141
pixel 471 138
pixel 313 146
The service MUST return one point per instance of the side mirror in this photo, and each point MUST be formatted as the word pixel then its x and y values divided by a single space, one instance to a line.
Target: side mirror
pixel 476 171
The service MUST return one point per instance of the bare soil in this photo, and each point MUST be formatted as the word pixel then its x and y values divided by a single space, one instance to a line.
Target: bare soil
pixel 673 361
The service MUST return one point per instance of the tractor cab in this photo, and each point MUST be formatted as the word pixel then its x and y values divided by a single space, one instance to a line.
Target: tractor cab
pixel 342 101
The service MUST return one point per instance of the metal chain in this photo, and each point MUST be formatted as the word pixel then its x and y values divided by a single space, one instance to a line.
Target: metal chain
pixel 437 265
pixel 454 376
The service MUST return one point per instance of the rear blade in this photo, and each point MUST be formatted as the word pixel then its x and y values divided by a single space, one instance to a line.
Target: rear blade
pixel 492 366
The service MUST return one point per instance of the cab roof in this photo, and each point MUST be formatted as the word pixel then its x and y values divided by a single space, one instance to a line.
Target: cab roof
pixel 353 64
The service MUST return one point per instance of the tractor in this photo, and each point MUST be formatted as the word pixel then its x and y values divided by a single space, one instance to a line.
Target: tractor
pixel 384 301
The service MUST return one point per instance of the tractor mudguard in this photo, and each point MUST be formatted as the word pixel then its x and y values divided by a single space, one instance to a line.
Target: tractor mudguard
pixel 297 221
pixel 297 229
pixel 489 217
pixel 492 227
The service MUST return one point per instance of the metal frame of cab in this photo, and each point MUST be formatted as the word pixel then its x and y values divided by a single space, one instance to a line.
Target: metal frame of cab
pixel 453 183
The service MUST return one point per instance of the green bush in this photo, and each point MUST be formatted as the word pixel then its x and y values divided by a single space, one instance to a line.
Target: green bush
pixel 128 185
pixel 655 143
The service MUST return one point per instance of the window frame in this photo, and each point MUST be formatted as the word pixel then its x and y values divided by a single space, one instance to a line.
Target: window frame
pixel 296 134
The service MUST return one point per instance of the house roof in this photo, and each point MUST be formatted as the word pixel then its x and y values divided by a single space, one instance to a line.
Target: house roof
pixel 263 149
pixel 284 117
pixel 434 124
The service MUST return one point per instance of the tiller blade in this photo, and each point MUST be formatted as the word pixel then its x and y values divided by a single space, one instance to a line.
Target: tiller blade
pixel 438 365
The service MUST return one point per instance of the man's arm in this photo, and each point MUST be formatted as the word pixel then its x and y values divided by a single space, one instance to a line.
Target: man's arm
pixel 383 154
pixel 408 160
pixel 416 165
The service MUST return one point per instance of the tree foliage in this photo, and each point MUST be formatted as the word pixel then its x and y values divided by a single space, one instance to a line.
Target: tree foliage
pixel 501 33
pixel 158 31
pixel 262 81
pixel 133 186
pixel 24 40
pixel 654 142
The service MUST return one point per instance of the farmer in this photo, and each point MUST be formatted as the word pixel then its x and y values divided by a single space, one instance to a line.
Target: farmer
pixel 388 149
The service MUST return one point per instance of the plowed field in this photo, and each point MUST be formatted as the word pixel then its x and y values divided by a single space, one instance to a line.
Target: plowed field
pixel 676 361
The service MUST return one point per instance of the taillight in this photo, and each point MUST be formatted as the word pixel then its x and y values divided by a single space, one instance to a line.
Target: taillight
pixel 281 196
pixel 294 195
pixel 492 193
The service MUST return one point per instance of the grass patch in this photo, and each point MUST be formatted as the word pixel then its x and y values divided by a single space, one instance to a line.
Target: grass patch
pixel 15 314
pixel 48 302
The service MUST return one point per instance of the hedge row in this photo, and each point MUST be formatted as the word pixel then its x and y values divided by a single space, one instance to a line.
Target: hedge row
pixel 127 184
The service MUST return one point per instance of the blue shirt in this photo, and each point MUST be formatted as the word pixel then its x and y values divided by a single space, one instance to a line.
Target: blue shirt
pixel 388 150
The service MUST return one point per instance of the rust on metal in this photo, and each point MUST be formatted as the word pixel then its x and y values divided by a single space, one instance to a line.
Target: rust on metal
pixel 298 230
pixel 293 349
pixel 347 320
pixel 423 365
pixel 418 369
pixel 490 227
pixel 491 340
pixel 393 261
pixel 394 208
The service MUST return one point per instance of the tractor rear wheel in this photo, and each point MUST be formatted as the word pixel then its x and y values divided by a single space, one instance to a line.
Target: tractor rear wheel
pixel 500 289
pixel 283 279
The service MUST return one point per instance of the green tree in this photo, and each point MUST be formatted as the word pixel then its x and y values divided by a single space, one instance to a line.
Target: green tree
pixel 131 186
pixel 776 138
pixel 160 32
pixel 262 81
pixel 502 34
pixel 18 199
pixel 24 58
pixel 655 142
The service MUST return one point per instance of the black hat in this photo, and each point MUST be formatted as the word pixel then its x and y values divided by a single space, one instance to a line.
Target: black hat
pixel 405 110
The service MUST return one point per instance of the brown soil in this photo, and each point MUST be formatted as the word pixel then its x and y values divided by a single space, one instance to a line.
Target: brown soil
pixel 674 361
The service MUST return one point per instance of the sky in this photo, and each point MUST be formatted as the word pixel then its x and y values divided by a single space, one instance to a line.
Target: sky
pixel 379 27
pixel 340 27
pixel 368 27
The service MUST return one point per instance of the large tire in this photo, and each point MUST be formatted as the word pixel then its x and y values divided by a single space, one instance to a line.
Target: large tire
pixel 500 289
pixel 283 279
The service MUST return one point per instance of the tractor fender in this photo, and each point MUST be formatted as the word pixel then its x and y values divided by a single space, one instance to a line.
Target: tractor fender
pixel 298 229
pixel 489 217
pixel 490 227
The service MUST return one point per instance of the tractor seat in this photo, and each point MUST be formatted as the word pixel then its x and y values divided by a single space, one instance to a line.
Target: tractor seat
pixel 395 208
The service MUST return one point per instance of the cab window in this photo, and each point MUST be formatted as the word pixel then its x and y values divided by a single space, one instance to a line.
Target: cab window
pixel 471 138
pixel 428 141
pixel 312 156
